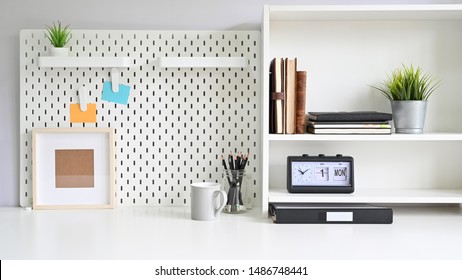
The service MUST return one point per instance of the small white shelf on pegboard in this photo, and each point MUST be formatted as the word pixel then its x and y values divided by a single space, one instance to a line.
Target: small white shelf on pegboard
pixel 203 62
pixel 53 61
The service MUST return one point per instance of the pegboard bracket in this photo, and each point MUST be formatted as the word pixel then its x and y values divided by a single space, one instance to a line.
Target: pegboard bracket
pixel 73 62
pixel 203 62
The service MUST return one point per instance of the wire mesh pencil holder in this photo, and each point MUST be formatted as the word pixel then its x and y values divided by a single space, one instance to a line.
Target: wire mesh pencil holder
pixel 236 184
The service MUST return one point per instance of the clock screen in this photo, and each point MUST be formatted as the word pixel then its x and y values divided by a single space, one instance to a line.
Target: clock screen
pixel 321 173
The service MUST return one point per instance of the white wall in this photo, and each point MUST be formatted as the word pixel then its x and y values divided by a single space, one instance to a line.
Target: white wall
pixel 112 14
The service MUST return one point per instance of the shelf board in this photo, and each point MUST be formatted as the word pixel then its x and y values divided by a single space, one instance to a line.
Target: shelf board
pixel 50 61
pixel 392 195
pixel 434 136
pixel 203 62
pixel 366 12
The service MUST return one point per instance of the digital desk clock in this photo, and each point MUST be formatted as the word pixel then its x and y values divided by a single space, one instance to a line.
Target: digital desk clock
pixel 320 174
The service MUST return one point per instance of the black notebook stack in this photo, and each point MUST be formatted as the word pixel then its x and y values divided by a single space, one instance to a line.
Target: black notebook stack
pixel 358 122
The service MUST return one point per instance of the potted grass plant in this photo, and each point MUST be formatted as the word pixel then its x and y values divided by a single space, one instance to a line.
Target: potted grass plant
pixel 408 90
pixel 59 35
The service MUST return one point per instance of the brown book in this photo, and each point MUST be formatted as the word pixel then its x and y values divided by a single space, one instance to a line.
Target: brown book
pixel 291 95
pixel 277 96
pixel 301 102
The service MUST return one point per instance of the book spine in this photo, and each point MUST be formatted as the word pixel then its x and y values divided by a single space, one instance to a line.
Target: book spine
pixel 290 90
pixel 277 96
pixel 301 102
pixel 349 117
pixel 270 99
pixel 347 125
pixel 313 130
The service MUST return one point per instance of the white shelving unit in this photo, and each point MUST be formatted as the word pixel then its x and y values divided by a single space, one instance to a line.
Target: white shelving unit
pixel 50 61
pixel 344 49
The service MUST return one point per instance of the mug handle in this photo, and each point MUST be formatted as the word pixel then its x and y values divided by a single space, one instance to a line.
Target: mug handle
pixel 223 201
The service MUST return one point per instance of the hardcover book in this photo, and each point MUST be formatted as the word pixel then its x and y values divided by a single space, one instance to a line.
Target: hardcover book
pixel 287 97
pixel 301 103
pixel 313 130
pixel 277 96
pixel 349 124
pixel 349 116
pixel 291 95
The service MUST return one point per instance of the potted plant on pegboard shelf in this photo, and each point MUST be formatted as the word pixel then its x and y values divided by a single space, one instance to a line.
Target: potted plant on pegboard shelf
pixel 408 90
pixel 59 36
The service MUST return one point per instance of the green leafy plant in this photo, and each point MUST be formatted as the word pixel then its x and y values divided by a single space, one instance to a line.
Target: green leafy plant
pixel 58 35
pixel 407 83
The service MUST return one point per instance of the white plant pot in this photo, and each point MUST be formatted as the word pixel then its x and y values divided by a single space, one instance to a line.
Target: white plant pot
pixel 62 52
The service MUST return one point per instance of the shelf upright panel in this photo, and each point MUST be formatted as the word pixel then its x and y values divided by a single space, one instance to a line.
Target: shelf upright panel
pixel 265 33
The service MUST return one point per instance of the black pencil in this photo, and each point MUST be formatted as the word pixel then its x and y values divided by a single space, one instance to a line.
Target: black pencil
pixel 224 162
pixel 244 162
pixel 230 161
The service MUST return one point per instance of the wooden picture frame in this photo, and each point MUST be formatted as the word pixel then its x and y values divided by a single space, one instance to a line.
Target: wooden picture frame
pixel 73 168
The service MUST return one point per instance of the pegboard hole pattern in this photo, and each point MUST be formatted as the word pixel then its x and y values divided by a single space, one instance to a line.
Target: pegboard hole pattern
pixel 178 121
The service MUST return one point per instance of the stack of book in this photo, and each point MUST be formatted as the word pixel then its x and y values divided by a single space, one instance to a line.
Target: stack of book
pixel 287 97
pixel 358 122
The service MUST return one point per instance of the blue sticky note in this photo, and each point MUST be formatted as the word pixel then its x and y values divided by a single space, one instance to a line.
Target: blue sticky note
pixel 120 97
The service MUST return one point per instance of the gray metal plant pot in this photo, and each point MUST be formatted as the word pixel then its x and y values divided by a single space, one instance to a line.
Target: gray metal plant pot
pixel 409 116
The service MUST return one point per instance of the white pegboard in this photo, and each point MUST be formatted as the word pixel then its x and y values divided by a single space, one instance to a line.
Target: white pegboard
pixel 178 121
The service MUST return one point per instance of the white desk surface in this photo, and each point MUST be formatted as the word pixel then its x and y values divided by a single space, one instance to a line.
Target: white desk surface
pixel 169 233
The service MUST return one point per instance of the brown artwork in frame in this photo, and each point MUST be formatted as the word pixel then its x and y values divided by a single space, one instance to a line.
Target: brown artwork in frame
pixel 73 168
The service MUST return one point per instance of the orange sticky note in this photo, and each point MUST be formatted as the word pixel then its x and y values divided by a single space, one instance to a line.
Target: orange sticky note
pixel 89 116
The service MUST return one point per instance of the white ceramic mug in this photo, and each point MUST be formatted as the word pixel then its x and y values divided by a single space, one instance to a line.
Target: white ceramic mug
pixel 205 205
